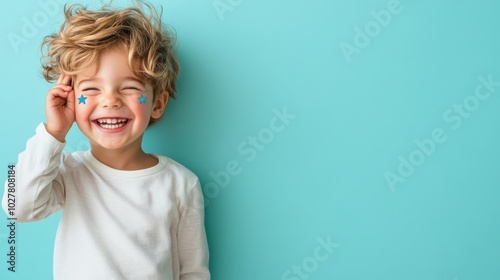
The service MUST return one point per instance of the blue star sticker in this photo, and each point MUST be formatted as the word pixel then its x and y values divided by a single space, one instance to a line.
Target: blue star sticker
pixel 82 99
pixel 142 99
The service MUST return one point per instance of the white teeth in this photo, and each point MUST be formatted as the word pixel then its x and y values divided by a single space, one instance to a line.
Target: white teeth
pixel 112 126
pixel 111 123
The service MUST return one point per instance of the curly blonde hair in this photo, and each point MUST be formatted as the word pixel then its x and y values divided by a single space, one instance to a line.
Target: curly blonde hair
pixel 85 34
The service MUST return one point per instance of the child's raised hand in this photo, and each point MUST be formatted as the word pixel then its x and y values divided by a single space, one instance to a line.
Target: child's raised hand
pixel 60 108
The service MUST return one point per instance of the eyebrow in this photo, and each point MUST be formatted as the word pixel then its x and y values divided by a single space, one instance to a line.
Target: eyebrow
pixel 128 78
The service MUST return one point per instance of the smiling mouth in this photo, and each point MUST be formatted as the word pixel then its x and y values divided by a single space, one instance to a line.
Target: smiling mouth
pixel 111 123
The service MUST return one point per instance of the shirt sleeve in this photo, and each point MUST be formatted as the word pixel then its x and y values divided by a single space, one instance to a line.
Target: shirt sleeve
pixel 39 190
pixel 193 247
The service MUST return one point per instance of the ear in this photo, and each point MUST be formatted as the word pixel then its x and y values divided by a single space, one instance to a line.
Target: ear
pixel 159 105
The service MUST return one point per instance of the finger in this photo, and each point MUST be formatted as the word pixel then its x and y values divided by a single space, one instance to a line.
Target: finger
pixel 62 87
pixel 66 79
pixel 63 79
pixel 55 102
pixel 59 80
pixel 70 100
pixel 58 89
pixel 57 94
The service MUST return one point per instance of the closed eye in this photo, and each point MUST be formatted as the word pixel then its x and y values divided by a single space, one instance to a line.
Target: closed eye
pixel 91 91
pixel 131 90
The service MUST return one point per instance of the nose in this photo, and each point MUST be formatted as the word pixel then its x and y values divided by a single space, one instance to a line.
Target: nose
pixel 110 99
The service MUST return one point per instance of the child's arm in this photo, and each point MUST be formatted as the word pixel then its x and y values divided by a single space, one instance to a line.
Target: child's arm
pixel 193 247
pixel 39 189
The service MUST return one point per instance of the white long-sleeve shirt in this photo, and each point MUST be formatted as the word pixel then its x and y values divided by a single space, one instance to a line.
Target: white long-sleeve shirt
pixel 116 224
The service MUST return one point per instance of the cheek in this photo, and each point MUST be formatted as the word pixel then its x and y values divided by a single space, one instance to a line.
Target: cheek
pixel 140 106
pixel 83 108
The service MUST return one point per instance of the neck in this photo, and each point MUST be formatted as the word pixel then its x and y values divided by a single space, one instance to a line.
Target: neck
pixel 124 159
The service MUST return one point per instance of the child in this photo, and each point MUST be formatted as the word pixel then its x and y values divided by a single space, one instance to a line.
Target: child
pixel 127 214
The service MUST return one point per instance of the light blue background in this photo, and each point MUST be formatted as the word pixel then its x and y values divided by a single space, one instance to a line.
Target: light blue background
pixel 323 175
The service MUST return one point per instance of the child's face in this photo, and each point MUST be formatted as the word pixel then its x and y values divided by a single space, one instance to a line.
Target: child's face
pixel 113 107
